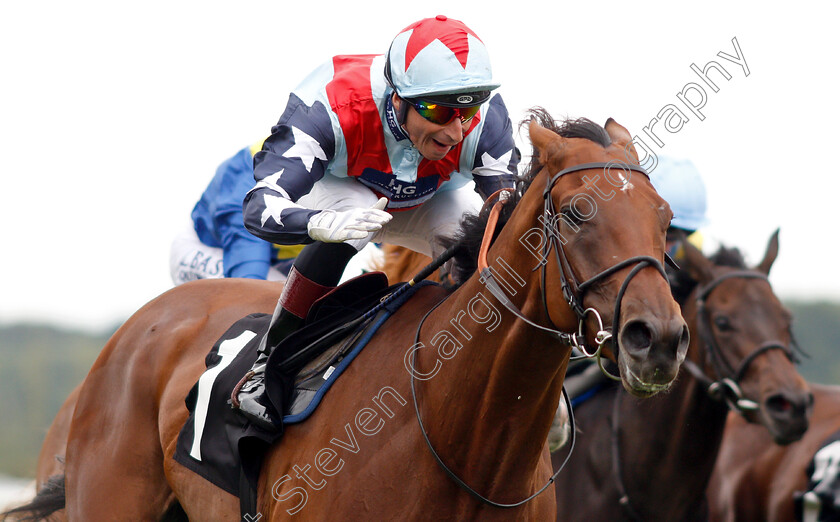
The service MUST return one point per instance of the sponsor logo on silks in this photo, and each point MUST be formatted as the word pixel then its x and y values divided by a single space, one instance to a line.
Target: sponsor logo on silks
pixel 202 265
pixel 465 99
pixel 396 130
pixel 400 193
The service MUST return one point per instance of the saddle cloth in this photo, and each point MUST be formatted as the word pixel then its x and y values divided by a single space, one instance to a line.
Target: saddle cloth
pixel 217 442
pixel 822 500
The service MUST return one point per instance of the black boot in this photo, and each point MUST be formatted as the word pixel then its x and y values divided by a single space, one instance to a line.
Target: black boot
pixel 253 402
pixel 316 271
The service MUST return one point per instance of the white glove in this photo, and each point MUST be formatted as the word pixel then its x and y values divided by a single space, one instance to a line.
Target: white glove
pixel 330 226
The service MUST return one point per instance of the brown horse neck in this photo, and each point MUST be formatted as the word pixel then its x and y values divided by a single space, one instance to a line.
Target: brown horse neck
pixel 491 404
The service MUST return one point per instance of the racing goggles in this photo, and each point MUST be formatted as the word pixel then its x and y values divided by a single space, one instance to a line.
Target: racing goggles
pixel 442 115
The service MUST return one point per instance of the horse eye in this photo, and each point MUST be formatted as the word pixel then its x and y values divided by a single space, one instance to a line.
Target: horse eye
pixel 570 217
pixel 723 324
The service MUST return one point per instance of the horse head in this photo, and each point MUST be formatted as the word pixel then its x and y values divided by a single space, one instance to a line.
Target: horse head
pixel 745 334
pixel 602 249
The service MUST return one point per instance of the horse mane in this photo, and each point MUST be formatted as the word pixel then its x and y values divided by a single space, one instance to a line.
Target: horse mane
pixel 728 257
pixel 471 230
pixel 683 284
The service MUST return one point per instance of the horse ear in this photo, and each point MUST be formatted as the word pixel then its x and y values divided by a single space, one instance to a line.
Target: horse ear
pixel 620 136
pixel 543 139
pixel 770 254
pixel 696 264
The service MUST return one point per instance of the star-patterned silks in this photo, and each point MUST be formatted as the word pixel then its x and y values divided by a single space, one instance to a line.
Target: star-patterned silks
pixel 491 166
pixel 274 206
pixel 306 148
pixel 270 182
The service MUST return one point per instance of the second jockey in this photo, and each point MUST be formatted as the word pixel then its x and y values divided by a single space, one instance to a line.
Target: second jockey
pixel 376 148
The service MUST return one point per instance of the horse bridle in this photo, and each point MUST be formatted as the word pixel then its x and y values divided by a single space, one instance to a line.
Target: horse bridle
pixel 573 293
pixel 726 387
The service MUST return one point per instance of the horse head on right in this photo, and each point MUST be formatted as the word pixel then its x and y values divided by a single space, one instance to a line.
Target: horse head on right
pixel 602 245
pixel 748 344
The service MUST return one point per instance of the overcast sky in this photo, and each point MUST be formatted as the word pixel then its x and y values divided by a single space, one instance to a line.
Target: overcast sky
pixel 114 116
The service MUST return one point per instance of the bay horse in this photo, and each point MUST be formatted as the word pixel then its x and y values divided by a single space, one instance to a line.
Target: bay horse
pixel 755 479
pixel 479 364
pixel 651 460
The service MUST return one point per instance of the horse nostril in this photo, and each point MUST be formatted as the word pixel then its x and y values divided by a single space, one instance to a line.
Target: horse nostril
pixel 789 404
pixel 685 338
pixel 779 404
pixel 636 335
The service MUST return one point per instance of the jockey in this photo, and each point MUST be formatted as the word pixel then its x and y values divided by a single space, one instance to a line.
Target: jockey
pixel 217 244
pixel 680 184
pixel 376 148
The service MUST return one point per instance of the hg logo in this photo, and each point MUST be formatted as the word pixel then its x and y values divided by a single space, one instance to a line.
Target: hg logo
pixel 399 189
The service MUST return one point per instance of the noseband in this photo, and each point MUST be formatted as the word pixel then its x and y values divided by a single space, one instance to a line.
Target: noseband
pixel 727 386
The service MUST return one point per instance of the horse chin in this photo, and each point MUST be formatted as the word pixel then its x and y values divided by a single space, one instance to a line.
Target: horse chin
pixel 787 433
pixel 636 386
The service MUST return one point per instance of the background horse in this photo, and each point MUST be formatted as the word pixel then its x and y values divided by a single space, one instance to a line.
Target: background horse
pixel 651 460
pixel 487 381
pixel 756 480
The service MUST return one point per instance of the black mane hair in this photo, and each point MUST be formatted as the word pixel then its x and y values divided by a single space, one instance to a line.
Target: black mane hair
pixel 472 227
pixel 683 284
pixel 728 257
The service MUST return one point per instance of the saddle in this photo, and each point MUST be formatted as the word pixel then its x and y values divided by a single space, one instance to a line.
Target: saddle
pixel 219 443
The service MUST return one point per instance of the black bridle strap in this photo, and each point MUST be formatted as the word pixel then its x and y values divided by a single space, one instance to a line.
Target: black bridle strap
pixel 720 364
pixel 648 260
pixel 572 290
pixel 597 165
pixel 703 294
pixel 568 284
pixel 723 370
pixel 766 347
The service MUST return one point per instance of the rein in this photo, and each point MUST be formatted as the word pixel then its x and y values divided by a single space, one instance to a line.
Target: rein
pixel 463 485
pixel 573 293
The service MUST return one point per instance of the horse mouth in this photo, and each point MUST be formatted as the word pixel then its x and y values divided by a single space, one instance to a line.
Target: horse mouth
pixel 638 387
pixel 788 432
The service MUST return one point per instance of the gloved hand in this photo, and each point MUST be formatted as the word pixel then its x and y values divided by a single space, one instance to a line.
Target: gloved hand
pixel 331 226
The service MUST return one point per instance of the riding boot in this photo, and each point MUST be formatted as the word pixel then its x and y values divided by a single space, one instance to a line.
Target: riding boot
pixel 316 271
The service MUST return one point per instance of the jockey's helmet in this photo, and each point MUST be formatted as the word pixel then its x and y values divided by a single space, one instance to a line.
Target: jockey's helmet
pixel 680 184
pixel 440 60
